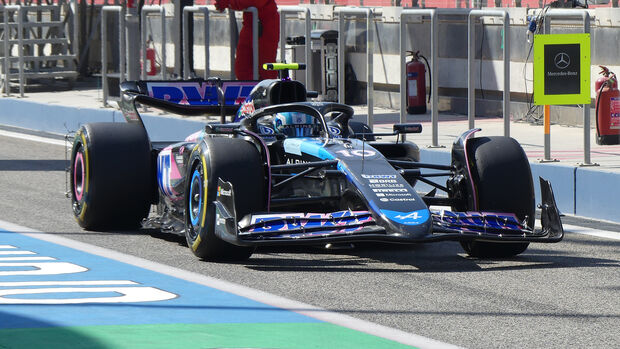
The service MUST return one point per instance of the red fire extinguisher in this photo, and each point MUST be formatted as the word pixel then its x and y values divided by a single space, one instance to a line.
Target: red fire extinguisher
pixel 151 68
pixel 607 108
pixel 150 62
pixel 416 83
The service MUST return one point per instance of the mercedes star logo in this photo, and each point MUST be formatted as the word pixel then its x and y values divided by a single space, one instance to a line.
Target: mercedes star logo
pixel 561 60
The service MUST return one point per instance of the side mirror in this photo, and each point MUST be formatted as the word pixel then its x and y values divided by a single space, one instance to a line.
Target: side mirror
pixel 407 128
pixel 312 94
pixel 221 128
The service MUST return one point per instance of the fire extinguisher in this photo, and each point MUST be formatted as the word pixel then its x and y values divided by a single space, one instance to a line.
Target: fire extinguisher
pixel 151 69
pixel 150 62
pixel 607 108
pixel 416 83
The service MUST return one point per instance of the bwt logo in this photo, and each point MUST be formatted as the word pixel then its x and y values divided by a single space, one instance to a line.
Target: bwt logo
pixel 199 93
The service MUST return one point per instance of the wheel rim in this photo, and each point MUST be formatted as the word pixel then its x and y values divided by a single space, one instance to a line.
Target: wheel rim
pixel 195 200
pixel 79 176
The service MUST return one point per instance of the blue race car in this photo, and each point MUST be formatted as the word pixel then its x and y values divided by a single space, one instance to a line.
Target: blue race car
pixel 288 171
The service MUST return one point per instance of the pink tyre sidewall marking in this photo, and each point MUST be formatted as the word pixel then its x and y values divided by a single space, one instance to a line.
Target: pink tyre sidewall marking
pixel 79 161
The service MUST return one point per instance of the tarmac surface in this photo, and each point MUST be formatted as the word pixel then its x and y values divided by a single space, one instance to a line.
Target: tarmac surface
pixel 560 295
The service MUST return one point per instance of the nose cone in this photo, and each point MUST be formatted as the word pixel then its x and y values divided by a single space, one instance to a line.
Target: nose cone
pixel 416 223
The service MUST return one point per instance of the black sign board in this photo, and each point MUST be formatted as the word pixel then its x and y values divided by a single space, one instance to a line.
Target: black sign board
pixel 562 69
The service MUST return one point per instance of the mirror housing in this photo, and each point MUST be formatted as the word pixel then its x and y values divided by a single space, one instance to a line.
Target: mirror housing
pixel 407 128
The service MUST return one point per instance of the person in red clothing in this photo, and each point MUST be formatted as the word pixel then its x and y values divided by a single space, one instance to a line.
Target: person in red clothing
pixel 268 36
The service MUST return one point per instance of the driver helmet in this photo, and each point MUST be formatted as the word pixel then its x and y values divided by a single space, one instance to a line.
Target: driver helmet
pixel 296 124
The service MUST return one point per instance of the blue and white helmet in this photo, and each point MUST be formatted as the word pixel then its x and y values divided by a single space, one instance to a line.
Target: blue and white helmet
pixel 296 124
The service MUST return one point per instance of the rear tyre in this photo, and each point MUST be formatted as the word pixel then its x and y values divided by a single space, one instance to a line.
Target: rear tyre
pixel 233 160
pixel 111 176
pixel 503 181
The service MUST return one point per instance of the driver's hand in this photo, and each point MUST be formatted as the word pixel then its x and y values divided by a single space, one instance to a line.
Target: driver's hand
pixel 221 5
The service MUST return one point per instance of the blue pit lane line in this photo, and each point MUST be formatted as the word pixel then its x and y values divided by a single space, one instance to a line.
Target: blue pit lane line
pixel 96 279
pixel 86 278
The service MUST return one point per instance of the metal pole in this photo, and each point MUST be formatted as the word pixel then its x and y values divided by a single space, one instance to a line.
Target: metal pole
pixel 162 13
pixel 207 53
pixel 205 13
pixel 233 27
pixel 547 131
pixel 284 10
pixel 104 48
pixel 435 79
pixel 132 34
pixel 7 56
pixel 283 13
pixel 586 107
pixel 122 62
pixel 471 54
pixel 104 55
pixel 404 17
pixel 506 96
pixel 585 17
pixel 471 85
pixel 76 26
pixel 20 40
pixel 341 56
pixel 255 62
pixel 185 55
pixel 369 53
pixel 164 68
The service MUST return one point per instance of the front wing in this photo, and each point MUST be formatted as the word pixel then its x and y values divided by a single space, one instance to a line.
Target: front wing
pixel 358 226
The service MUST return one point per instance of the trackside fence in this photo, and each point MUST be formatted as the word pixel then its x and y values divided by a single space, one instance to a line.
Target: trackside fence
pixel 336 17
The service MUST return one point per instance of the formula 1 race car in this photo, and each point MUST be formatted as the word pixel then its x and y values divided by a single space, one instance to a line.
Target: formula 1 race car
pixel 288 171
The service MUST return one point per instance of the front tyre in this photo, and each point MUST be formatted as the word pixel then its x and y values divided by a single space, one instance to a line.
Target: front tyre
pixel 503 183
pixel 233 160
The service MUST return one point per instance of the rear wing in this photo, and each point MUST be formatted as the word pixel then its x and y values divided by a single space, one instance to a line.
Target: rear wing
pixel 185 97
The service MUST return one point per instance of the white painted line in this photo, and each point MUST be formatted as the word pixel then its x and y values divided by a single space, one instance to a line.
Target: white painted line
pixel 5 259
pixel 576 229
pixel 592 232
pixel 32 138
pixel 239 290
pixel 66 283
pixel 4 253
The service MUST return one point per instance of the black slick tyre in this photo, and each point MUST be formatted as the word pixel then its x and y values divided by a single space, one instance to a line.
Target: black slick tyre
pixel 111 176
pixel 503 183
pixel 233 160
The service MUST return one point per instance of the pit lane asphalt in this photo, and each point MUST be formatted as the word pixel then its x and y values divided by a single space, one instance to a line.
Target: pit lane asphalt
pixel 553 296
